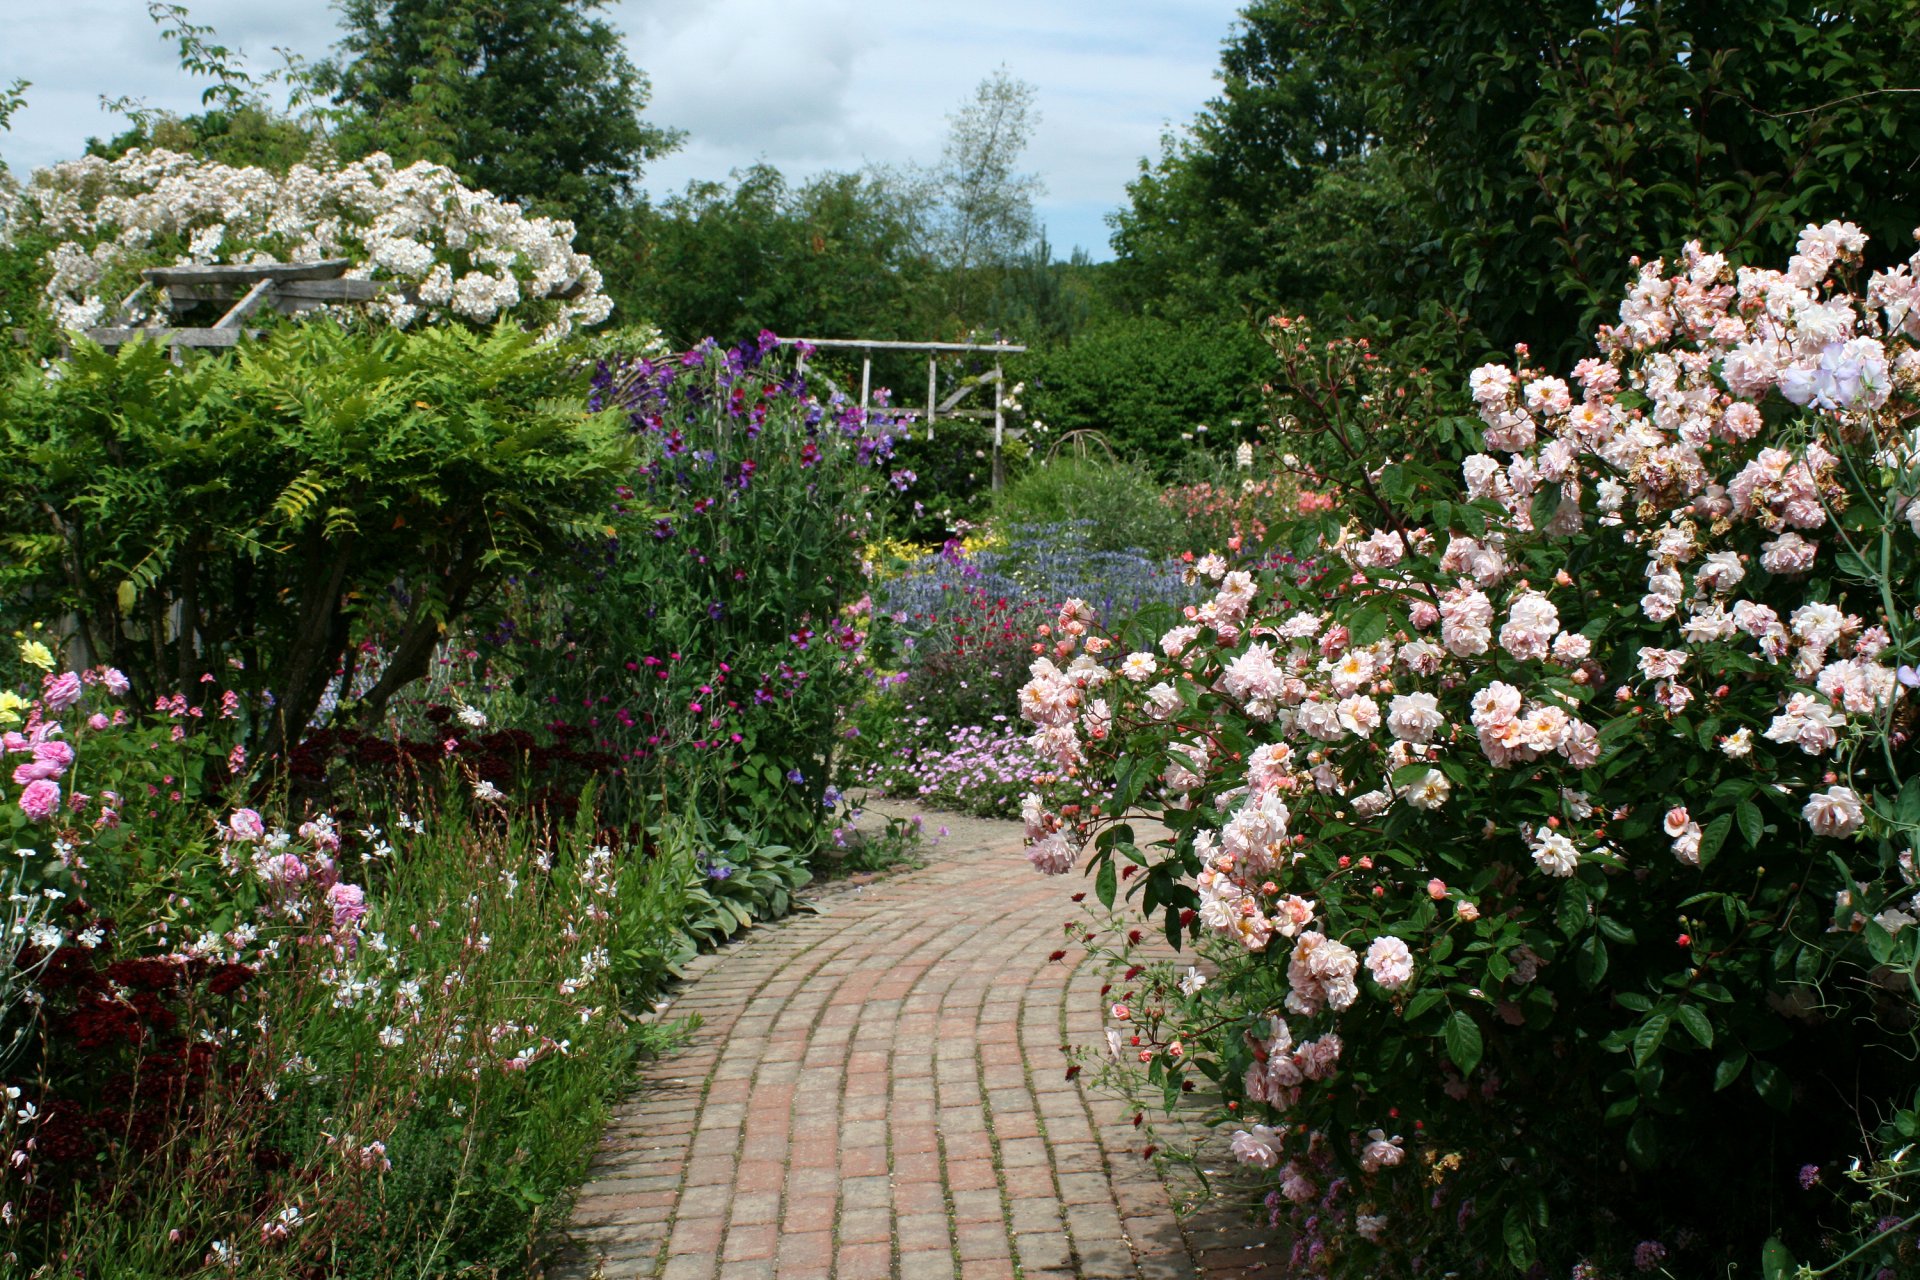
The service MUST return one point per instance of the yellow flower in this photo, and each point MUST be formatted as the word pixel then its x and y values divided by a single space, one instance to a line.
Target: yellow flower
pixel 33 653
pixel 11 705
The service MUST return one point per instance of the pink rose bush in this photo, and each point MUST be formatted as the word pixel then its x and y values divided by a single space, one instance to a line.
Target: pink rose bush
pixel 1575 812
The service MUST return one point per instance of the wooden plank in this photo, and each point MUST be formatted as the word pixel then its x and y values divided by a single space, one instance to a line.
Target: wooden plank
pixel 246 306
pixel 310 292
pixel 113 337
pixel 239 276
pixel 879 344
pixel 970 386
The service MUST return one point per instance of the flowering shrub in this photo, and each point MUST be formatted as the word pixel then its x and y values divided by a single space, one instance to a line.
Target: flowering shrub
pixel 708 638
pixel 1566 841
pixel 961 624
pixel 451 253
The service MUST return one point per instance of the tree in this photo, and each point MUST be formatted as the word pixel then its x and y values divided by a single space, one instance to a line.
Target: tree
pixel 837 255
pixel 1503 163
pixel 534 100
pixel 980 216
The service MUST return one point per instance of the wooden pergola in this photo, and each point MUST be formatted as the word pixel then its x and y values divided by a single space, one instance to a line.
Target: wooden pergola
pixel 936 408
pixel 285 287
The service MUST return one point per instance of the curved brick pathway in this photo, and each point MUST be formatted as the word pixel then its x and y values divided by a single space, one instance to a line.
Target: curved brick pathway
pixel 878 1092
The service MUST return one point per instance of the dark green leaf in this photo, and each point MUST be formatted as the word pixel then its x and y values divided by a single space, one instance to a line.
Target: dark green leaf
pixel 1463 1041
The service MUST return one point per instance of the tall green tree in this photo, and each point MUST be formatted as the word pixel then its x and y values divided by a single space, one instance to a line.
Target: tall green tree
pixel 838 255
pixel 1506 161
pixel 534 100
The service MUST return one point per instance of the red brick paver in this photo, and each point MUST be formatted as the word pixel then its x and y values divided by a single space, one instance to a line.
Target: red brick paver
pixel 879 1091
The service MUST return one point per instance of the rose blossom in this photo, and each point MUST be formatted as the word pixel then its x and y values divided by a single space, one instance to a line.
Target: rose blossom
pixel 1258 1147
pixel 62 691
pixel 1837 812
pixel 40 799
pixel 1390 963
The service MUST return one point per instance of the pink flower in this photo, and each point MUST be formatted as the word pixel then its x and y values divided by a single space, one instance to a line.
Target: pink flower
pixel 245 825
pixel 1390 963
pixel 62 691
pixel 97 722
pixel 40 799
pixel 117 684
pixel 349 904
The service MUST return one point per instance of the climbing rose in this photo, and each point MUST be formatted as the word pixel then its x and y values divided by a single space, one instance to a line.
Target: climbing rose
pixel 1390 963
pixel 1836 812
pixel 1258 1146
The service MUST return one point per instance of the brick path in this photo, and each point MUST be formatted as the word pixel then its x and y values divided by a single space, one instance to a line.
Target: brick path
pixel 878 1092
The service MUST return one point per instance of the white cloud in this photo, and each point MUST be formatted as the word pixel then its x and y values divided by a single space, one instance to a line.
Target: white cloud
pixel 832 84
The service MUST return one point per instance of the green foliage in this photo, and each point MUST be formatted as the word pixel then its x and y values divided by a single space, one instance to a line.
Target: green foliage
pixel 738 881
pixel 837 256
pixel 1116 504
pixel 250 134
pixel 1381 166
pixel 533 100
pixel 869 851
pixel 1149 385
pixel 701 640
pixel 261 511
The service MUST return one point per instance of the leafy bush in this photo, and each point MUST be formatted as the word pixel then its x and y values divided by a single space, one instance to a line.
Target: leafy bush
pixel 258 513
pixel 1150 386
pixel 1552 843
pixel 1116 505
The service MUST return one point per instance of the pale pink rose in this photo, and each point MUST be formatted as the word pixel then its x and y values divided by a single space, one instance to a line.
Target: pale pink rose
pixel 1788 554
pixel 97 722
pixel 349 904
pixel 1381 1152
pixel 1051 855
pixel 1259 1147
pixel 1836 812
pixel 117 684
pixel 40 799
pixel 1389 961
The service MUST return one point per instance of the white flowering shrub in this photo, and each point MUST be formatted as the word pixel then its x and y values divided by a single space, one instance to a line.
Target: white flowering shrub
pixel 447 251
pixel 1555 845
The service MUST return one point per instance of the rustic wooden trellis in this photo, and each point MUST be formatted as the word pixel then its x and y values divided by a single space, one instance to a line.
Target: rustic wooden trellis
pixel 936 408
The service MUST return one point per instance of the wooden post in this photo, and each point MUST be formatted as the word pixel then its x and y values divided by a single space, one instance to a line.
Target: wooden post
pixel 931 390
pixel 999 425
pixel 866 376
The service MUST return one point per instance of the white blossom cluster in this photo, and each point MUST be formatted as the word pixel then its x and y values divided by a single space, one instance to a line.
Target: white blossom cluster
pixel 448 251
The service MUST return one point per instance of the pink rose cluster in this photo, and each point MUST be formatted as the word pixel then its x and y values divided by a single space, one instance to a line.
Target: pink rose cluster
pixel 1658 457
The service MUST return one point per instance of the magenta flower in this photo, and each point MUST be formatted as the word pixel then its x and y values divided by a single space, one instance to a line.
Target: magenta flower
pixel 62 691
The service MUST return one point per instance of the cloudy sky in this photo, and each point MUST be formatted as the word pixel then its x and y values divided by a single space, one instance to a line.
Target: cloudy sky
pixel 829 84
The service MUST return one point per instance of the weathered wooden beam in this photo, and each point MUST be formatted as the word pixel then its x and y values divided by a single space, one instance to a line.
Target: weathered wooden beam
pixel 246 306
pixel 114 337
pixel 240 275
pixel 308 293
pixel 879 344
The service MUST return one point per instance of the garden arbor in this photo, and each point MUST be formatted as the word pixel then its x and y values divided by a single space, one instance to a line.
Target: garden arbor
pixel 937 408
